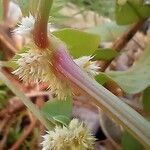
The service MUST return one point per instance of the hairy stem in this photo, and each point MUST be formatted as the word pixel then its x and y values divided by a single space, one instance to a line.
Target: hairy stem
pixel 26 101
pixel 40 34
pixel 104 99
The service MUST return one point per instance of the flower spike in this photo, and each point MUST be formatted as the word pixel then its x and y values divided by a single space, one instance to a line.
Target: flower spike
pixel 25 27
pixel 74 137
pixel 35 66
pixel 85 63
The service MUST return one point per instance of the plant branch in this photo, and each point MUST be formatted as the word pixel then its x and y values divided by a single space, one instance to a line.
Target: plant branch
pixel 104 99
pixel 120 43
pixel 40 34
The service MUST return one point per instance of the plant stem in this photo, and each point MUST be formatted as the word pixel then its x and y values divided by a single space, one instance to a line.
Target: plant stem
pixel 33 7
pixel 40 34
pixel 5 11
pixel 104 99
pixel 26 101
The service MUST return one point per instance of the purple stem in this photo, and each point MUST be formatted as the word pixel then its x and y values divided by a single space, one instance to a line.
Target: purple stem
pixel 104 99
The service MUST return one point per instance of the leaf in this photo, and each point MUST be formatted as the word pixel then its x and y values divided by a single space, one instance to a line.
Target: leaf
pixel 62 119
pixel 130 143
pixel 131 11
pixel 108 31
pixel 59 110
pixel 135 79
pixel 146 99
pixel 25 6
pixel 104 54
pixel 79 43
pixel 101 78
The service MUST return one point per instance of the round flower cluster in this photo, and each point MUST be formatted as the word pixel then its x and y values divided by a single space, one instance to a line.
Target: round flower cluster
pixel 74 137
pixel 85 63
pixel 25 27
pixel 35 66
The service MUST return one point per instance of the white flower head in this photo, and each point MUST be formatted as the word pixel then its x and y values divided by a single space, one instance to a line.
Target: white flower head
pixel 25 26
pixel 122 2
pixel 74 137
pixel 85 63
pixel 35 66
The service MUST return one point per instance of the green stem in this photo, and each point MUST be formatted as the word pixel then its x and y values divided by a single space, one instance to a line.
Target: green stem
pixel 26 101
pixel 104 99
pixel 33 4
pixel 40 34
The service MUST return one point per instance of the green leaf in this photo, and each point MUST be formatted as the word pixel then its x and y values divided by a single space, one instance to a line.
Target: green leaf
pixel 101 78
pixel 59 110
pixel 104 54
pixel 130 143
pixel 25 6
pixel 146 99
pixel 132 11
pixel 79 43
pixel 136 78
pixel 109 31
pixel 1 9
pixel 62 119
